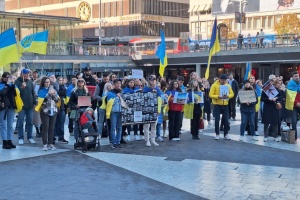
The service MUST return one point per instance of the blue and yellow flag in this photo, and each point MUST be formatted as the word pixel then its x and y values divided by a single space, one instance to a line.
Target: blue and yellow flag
pixel 42 93
pixel 68 95
pixel 162 54
pixel 291 92
pixel 214 47
pixel 35 43
pixel 8 48
pixel 18 100
pixel 248 72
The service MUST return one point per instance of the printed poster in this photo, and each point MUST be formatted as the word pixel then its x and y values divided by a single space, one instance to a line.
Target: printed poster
pixel 270 90
pixel 247 96
pixel 180 98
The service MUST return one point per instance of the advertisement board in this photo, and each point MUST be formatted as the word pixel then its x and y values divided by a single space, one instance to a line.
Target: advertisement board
pixel 221 7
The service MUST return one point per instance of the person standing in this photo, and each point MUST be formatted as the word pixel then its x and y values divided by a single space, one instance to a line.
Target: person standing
pixel 7 110
pixel 98 95
pixel 247 112
pixel 261 38
pixel 68 95
pixel 47 106
pixel 232 102
pixel 88 78
pixel 220 102
pixel 26 88
pixel 207 101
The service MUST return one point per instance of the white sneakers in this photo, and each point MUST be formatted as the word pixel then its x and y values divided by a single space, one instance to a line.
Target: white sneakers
pixel 128 138
pixel 137 137
pixel 31 141
pixel 256 133
pixel 21 141
pixel 45 148
pixel 160 139
pixel 277 139
pixel 226 137
pixel 241 138
pixel 175 139
pixel 209 123
pixel 265 139
pixel 153 143
pixel 217 137
pixel 85 130
pixel 52 147
pixel 255 138
pixel 148 144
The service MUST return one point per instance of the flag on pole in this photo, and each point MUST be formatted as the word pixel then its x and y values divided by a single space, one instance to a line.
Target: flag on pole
pixel 214 47
pixel 248 72
pixel 8 48
pixel 35 43
pixel 162 54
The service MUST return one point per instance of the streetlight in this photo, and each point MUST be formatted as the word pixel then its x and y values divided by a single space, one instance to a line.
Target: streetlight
pixel 242 3
pixel 100 25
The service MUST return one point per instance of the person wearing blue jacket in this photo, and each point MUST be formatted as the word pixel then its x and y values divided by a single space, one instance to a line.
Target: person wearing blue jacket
pixel 247 112
pixel 152 87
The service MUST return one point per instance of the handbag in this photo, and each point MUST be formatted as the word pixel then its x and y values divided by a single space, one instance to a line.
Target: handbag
pixel 288 136
pixel 278 106
pixel 201 124
pixel 73 114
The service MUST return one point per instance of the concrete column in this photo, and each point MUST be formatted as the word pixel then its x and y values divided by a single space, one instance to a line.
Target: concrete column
pixel 198 70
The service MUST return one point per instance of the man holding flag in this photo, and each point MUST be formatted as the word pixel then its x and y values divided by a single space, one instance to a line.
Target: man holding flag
pixel 214 47
pixel 162 54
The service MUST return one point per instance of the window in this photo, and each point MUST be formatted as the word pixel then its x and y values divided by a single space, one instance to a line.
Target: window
pixel 257 23
pixel 249 23
pixel 264 22
pixel 203 27
pixel 271 21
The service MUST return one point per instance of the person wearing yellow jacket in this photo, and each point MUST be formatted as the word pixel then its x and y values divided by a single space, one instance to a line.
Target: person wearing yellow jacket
pixel 220 93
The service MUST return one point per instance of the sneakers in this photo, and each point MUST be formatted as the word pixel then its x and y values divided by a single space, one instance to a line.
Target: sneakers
pixel 178 139
pixel 137 137
pixel 21 141
pixel 241 138
pixel 85 130
pixel 113 146
pixel 256 133
pixel 277 139
pixel 31 141
pixel 160 139
pixel 148 144
pixel 217 137
pixel 127 138
pixel 45 148
pixel 174 139
pixel 245 133
pixel 52 147
pixel 154 143
pixel 255 138
pixel 265 139
pixel 63 141
pixel 226 137
pixel 209 123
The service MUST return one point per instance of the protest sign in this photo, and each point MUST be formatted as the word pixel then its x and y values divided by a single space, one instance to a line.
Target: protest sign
pixel 247 96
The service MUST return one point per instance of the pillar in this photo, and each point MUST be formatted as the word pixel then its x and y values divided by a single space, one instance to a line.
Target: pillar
pixel 198 70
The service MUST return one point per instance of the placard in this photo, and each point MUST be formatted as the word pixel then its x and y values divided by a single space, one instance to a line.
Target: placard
pixel 84 101
pixel 180 98
pixel 224 90
pixel 270 90
pixel 137 73
pixel 141 108
pixel 247 96
pixel 200 98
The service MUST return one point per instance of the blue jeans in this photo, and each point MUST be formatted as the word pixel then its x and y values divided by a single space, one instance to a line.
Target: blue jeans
pixel 158 129
pixel 29 115
pixel 247 117
pixel 59 124
pixel 6 123
pixel 87 125
pixel 101 116
pixel 116 127
pixel 224 110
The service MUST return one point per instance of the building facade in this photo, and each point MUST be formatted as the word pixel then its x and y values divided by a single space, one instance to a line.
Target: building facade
pixel 115 18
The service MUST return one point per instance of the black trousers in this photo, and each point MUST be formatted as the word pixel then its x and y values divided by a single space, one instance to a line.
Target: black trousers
pixel 195 124
pixel 232 107
pixel 174 123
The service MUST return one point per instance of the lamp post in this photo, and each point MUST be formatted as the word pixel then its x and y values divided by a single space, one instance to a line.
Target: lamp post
pixel 241 4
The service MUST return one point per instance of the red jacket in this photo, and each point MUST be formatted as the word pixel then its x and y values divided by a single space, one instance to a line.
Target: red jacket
pixel 175 106
pixel 297 99
pixel 84 119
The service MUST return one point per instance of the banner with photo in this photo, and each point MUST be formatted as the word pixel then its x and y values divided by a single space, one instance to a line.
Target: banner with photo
pixel 141 108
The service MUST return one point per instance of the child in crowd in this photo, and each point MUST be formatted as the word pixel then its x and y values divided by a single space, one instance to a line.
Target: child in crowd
pixel 87 120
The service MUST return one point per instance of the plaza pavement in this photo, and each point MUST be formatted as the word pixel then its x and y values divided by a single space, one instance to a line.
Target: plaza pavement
pixel 186 169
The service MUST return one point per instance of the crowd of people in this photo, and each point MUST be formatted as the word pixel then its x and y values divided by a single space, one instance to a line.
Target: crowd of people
pixel 45 102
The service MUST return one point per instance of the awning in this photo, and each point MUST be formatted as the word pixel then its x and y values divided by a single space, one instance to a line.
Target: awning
pixel 207 7
pixel 191 9
pixel 201 8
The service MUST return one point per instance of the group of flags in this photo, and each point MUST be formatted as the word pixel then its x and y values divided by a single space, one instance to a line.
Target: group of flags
pixel 11 51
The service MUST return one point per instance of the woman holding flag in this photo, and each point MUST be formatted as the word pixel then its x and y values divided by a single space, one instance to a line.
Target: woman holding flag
pixel 47 105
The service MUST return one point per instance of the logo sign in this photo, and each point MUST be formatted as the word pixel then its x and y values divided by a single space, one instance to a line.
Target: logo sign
pixel 26 42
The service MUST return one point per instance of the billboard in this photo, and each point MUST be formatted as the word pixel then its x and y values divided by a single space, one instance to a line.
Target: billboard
pixel 220 7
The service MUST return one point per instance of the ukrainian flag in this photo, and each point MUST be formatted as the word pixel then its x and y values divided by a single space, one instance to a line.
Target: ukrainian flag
pixel 8 48
pixel 292 89
pixel 68 95
pixel 41 96
pixel 248 72
pixel 18 100
pixel 162 54
pixel 214 47
pixel 35 43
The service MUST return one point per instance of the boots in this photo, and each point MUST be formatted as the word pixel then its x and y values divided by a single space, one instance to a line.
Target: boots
pixel 38 133
pixel 5 145
pixel 9 142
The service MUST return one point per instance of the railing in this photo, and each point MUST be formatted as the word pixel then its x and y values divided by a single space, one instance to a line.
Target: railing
pixel 88 50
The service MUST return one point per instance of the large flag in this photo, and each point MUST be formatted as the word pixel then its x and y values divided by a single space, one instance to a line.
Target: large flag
pixel 35 43
pixel 214 47
pixel 8 48
pixel 248 72
pixel 161 54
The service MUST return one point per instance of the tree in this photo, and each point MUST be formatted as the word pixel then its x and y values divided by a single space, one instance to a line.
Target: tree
pixel 289 24
pixel 231 34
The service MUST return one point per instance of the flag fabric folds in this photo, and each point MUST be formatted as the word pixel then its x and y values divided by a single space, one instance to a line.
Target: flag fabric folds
pixel 291 92
pixel 35 43
pixel 41 96
pixel 162 55
pixel 68 95
pixel 248 72
pixel 214 47
pixel 8 48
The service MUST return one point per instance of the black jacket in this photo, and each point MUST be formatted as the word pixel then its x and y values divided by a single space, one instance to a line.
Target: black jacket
pixel 7 97
pixel 90 81
pixel 235 88
pixel 248 108
pixel 27 93
pixel 62 93
pixel 74 98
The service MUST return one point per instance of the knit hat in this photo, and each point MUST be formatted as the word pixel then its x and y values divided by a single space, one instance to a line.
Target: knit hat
pixel 223 76
pixel 88 109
